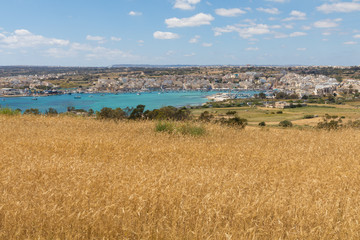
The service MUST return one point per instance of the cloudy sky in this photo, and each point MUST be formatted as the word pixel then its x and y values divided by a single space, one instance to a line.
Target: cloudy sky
pixel 204 32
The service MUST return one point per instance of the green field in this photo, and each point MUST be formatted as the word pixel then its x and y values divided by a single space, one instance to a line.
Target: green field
pixel 271 116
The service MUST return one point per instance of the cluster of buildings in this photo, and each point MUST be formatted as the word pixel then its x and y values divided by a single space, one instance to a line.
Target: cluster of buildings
pixel 289 83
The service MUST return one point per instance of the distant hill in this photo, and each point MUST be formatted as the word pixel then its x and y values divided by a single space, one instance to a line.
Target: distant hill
pixel 150 66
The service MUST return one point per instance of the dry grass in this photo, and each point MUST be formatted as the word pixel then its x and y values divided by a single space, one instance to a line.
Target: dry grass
pixel 73 178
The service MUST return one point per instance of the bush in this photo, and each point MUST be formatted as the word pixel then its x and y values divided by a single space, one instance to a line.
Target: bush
pixel 188 129
pixel 9 111
pixel 137 113
pixel 109 113
pixel 328 124
pixel 164 127
pixel 262 124
pixel 279 112
pixel 90 112
pixel 33 111
pixel 168 113
pixel 235 122
pixel 230 113
pixel 309 116
pixel 184 129
pixel 51 111
pixel 353 124
pixel 285 123
pixel 206 116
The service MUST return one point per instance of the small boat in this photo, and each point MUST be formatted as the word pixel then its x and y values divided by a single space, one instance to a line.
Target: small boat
pixel 34 98
pixel 91 96
pixel 102 95
pixel 138 93
pixel 77 97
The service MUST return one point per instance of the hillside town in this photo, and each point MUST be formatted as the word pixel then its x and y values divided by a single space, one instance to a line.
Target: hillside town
pixel 284 81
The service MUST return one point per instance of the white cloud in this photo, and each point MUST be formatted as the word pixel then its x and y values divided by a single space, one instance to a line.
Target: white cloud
pixel 294 34
pixel 165 35
pixel 297 34
pixel 170 53
pixel 252 49
pixel 133 13
pixel 186 4
pixel 343 7
pixel 232 12
pixel 244 30
pixel 106 53
pixel 280 35
pixel 296 15
pixel 23 38
pixel 306 27
pixel 194 21
pixel 289 26
pixel 98 39
pixel 357 36
pixel 327 23
pixel 350 43
pixel 207 44
pixel 115 39
pixel 189 55
pixel 277 1
pixel 269 10
pixel 326 33
pixel 141 43
pixel 88 52
pixel 301 49
pixel 195 39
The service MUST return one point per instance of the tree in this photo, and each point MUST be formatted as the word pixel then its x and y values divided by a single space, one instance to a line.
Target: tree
pixel 109 113
pixel 137 113
pixel 280 95
pixel 262 95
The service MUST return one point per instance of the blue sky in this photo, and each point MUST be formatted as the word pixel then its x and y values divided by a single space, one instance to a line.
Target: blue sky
pixel 204 32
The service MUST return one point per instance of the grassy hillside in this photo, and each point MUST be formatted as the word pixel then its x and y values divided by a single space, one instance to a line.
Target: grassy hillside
pixel 271 116
pixel 78 178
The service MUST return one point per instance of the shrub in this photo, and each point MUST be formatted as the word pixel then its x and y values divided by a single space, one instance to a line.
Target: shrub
pixel 90 112
pixel 33 111
pixel 51 111
pixel 137 113
pixel 329 125
pixel 109 113
pixel 279 112
pixel 206 116
pixel 168 113
pixel 9 111
pixel 193 130
pixel 309 116
pixel 330 122
pixel 285 123
pixel 235 122
pixel 230 113
pixel 184 129
pixel 262 124
pixel 164 127
pixel 353 124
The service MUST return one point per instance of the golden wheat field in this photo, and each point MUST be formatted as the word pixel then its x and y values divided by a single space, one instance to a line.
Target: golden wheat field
pixel 78 178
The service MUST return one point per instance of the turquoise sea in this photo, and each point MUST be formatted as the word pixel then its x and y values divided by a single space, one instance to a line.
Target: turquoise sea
pixel 97 101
